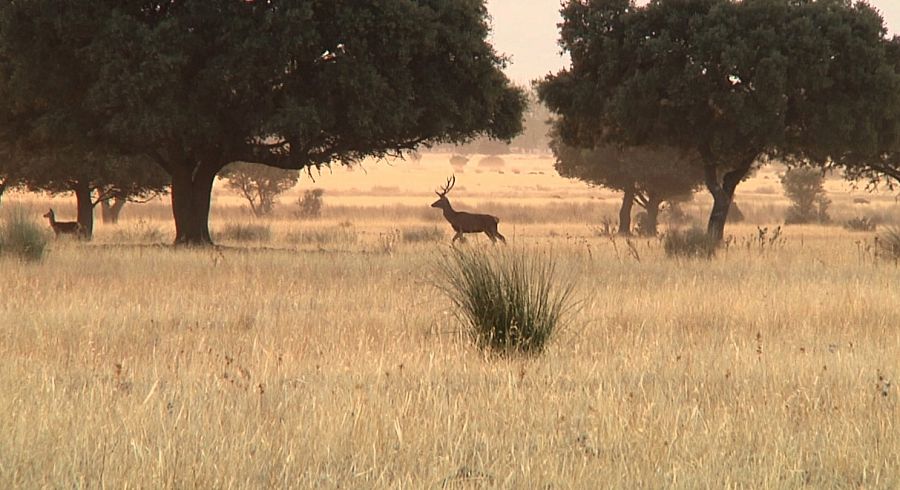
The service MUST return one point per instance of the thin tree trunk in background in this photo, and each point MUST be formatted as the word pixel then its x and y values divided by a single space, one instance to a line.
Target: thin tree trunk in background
pixel 110 209
pixel 85 207
pixel 651 226
pixel 625 212
pixel 723 195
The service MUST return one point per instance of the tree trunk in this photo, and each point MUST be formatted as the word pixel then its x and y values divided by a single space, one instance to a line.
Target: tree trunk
pixel 85 206
pixel 723 194
pixel 110 212
pixel 651 225
pixel 625 211
pixel 191 194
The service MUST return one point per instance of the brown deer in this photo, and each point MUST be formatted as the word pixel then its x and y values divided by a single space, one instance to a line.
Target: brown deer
pixel 63 227
pixel 463 222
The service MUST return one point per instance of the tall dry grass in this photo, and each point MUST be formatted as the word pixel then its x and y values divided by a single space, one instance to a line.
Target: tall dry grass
pixel 147 366
pixel 326 358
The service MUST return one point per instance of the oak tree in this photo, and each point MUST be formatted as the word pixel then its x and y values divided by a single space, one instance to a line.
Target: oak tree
pixel 291 84
pixel 736 82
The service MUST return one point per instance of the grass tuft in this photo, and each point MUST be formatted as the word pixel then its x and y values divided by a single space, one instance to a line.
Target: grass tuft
pixel 421 234
pixel 889 243
pixel 238 232
pixel 21 236
pixel 691 243
pixel 510 301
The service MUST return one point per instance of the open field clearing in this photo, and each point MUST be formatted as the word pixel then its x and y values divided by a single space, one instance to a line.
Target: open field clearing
pixel 322 355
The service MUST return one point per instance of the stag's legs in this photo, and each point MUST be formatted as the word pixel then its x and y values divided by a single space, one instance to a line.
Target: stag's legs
pixel 458 236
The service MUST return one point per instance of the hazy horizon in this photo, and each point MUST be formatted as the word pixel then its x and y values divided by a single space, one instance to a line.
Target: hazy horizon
pixel 527 33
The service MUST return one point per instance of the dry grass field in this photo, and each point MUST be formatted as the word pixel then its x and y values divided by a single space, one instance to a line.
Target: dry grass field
pixel 323 356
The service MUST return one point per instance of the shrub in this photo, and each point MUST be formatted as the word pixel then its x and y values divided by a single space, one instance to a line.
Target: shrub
pixel 422 234
pixel 889 244
pixel 259 184
pixel 311 204
pixel 21 236
pixel 805 187
pixel 510 301
pixel 693 242
pixel 863 223
pixel 458 162
pixel 237 232
pixel 491 162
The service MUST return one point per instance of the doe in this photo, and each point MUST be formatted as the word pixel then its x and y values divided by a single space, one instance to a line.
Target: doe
pixel 63 227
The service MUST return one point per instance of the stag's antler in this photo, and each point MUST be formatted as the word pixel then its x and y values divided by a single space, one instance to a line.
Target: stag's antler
pixel 445 189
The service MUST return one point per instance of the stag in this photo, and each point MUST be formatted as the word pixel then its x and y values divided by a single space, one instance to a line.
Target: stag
pixel 463 222
pixel 63 227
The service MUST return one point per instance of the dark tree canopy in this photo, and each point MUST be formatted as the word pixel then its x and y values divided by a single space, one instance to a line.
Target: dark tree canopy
pixel 648 176
pixel 289 84
pixel 735 82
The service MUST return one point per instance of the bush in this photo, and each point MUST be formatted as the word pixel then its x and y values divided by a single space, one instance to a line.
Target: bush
pixel 805 187
pixel 237 232
pixel 311 204
pixel 510 301
pixel 888 242
pixel 422 234
pixel 491 162
pixel 21 236
pixel 860 224
pixel 458 162
pixel 693 242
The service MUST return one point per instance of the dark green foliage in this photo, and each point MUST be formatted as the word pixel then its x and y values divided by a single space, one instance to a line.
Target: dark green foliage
pixel 511 301
pixel 805 187
pixel 21 236
pixel 311 203
pixel 734 82
pixel 690 243
pixel 260 185
pixel 238 232
pixel 290 84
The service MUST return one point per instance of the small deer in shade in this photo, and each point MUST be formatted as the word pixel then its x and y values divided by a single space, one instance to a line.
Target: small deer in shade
pixel 63 227
pixel 463 222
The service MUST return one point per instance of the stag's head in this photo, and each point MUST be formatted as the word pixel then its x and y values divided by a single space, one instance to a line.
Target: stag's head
pixel 442 201
pixel 49 214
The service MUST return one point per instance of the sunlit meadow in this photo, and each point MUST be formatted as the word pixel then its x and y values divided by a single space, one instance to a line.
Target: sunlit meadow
pixel 319 353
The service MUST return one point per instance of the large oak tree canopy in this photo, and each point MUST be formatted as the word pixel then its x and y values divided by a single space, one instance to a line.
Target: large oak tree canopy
pixel 737 82
pixel 289 83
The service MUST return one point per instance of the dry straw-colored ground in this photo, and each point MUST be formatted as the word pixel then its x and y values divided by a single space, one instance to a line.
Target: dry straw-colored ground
pixel 332 361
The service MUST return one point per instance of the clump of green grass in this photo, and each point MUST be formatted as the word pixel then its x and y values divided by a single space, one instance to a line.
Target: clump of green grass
pixel 21 236
pixel 239 232
pixel 422 234
pixel 510 301
pixel 691 243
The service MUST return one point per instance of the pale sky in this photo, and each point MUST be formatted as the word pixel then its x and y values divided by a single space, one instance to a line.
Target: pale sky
pixel 526 31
